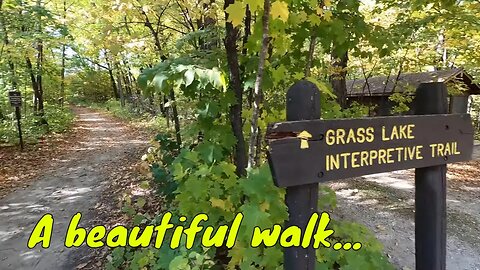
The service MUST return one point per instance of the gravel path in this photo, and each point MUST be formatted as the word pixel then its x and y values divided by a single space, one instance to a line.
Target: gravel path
pixel 71 185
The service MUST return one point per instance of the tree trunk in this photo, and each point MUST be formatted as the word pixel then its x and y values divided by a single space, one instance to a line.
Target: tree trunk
pixel 311 51
pixel 246 35
pixel 230 42
pixel 34 84
pixel 39 77
pixel 257 95
pixel 62 72
pixel 62 75
pixel 441 51
pixel 112 81
pixel 338 79
pixel 11 65
pixel 120 89
pixel 175 118
pixel 39 97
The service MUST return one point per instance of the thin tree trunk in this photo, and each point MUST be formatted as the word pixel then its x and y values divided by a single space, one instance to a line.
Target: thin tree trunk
pixel 39 77
pixel 441 51
pixel 257 95
pixel 240 157
pixel 112 81
pixel 338 80
pixel 120 89
pixel 247 29
pixel 246 35
pixel 11 65
pixel 39 98
pixel 62 72
pixel 311 51
pixel 34 84
pixel 128 86
pixel 176 119
pixel 62 75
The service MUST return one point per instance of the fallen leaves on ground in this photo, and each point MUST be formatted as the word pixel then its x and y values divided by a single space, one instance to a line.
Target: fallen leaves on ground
pixel 467 173
pixel 19 168
pixel 126 186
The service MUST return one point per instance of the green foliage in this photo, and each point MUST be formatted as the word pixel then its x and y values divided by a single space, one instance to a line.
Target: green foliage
pixel 180 73
pixel 161 158
pixel 475 112
pixel 456 88
pixel 201 178
pixel 370 256
pixel 90 85
pixel 197 258
pixel 402 101
pixel 212 186
pixel 59 119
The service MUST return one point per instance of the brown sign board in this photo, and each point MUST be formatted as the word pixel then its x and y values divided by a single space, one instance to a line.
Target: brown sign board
pixel 313 151
pixel 15 98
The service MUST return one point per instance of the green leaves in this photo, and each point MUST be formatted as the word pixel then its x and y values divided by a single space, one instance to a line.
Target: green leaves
pixel 160 82
pixel 168 75
pixel 324 87
pixel 189 76
pixel 179 263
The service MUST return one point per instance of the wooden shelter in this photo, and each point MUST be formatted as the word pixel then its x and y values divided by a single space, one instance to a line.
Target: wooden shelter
pixel 377 90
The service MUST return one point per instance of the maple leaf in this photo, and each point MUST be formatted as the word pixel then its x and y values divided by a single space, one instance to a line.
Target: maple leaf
pixel 254 5
pixel 279 74
pixel 218 203
pixel 235 11
pixel 328 15
pixel 280 10
pixel 320 11
pixel 314 19
pixel 298 75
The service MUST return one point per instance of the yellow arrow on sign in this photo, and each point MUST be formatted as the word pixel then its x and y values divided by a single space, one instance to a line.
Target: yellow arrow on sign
pixel 304 136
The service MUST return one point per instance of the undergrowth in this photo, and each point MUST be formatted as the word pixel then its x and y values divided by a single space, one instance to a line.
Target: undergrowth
pixel 58 120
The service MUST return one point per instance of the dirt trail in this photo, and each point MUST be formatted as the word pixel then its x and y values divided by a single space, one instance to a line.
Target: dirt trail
pixel 71 185
pixel 385 203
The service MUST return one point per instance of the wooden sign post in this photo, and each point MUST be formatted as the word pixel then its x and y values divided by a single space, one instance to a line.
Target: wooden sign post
pixel 303 103
pixel 431 188
pixel 15 98
pixel 303 153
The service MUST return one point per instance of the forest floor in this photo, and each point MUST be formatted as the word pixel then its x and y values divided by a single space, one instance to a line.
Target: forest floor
pixel 385 203
pixel 69 176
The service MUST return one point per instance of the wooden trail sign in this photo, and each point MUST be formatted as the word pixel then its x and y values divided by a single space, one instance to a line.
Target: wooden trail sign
pixel 312 151
pixel 15 98
pixel 304 152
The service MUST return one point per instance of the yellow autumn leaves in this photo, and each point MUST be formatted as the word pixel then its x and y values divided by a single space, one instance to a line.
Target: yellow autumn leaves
pixel 236 11
pixel 279 10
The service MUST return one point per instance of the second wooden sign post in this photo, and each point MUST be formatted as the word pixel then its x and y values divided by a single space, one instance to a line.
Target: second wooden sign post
pixel 15 98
